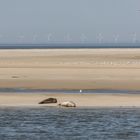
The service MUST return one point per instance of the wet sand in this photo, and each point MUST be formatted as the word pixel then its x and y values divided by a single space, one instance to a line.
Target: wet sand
pixel 70 69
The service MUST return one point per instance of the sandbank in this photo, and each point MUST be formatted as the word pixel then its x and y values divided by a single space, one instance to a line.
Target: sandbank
pixel 81 100
pixel 70 69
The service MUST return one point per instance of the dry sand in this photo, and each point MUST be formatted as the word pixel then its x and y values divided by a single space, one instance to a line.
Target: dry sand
pixel 70 69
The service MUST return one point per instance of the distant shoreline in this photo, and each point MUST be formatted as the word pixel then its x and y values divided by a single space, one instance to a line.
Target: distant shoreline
pixel 70 46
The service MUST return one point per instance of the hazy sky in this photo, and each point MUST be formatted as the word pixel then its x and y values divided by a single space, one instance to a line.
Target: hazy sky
pixel 69 20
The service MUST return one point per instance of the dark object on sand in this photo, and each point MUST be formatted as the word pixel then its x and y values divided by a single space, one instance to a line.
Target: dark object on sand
pixel 48 101
pixel 14 76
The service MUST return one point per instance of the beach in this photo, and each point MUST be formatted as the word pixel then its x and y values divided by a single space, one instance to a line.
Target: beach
pixel 71 69
pixel 81 100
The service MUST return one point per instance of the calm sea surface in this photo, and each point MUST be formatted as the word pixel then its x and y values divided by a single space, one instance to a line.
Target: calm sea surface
pixel 69 46
pixel 45 91
pixel 49 123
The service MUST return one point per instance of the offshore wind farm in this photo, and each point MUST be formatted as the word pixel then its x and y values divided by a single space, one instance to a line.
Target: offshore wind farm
pixel 68 41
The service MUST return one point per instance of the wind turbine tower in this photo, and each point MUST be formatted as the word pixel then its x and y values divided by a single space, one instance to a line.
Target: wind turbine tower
pixel 49 37
pixel 134 39
pixel 83 38
pixel 116 38
pixel 100 38
pixel 34 37
pixel 67 38
pixel 21 38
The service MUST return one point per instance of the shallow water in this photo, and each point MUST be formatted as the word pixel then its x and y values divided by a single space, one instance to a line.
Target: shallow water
pixel 69 124
pixel 95 91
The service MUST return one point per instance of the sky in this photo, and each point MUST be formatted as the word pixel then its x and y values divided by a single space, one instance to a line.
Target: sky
pixel 42 21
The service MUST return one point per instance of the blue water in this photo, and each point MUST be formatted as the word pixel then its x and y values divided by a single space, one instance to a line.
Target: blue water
pixel 94 91
pixel 49 123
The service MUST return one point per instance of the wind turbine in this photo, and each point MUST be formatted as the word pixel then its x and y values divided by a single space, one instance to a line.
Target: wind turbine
pixel 134 38
pixel 116 37
pixel 49 37
pixel 67 38
pixel 34 37
pixel 21 38
pixel 83 37
pixel 100 38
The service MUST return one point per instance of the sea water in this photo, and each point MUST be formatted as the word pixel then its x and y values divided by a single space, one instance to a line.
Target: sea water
pixel 46 91
pixel 55 45
pixel 50 123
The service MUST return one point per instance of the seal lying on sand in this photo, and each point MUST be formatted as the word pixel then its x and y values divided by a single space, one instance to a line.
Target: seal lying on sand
pixel 48 101
pixel 67 104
